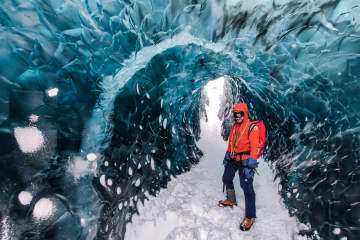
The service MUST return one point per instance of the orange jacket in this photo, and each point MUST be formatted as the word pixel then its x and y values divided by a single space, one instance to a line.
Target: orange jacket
pixel 240 140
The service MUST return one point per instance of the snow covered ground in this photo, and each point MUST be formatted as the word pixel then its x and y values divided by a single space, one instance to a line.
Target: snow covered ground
pixel 187 209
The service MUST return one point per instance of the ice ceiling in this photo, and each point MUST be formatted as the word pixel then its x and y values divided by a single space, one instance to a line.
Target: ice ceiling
pixel 100 102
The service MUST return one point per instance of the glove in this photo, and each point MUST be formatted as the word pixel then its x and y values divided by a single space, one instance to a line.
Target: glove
pixel 251 163
pixel 226 158
pixel 225 162
pixel 249 173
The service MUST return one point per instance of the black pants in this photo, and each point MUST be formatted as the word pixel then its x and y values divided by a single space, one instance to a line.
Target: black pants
pixel 246 184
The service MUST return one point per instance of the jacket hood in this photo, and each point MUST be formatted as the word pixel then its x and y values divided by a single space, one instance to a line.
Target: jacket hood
pixel 242 107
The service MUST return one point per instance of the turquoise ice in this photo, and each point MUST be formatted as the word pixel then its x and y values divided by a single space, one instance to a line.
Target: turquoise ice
pixel 101 100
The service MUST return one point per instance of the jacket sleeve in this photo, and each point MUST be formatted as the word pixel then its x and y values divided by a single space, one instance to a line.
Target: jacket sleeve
pixel 254 142
pixel 230 136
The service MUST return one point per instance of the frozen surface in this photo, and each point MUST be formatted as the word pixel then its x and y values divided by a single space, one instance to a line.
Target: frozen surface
pixel 101 100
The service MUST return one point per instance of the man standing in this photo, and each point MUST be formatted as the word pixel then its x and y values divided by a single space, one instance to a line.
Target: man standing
pixel 241 156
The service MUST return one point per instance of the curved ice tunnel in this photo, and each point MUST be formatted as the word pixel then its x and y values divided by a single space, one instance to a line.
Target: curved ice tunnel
pixel 304 86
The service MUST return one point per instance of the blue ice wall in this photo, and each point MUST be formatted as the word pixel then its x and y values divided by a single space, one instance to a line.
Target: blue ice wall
pixel 100 104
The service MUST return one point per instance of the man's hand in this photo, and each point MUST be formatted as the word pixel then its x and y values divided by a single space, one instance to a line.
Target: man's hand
pixel 251 163
pixel 249 173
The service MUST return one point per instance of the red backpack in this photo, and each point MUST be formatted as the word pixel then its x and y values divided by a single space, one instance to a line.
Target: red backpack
pixel 262 135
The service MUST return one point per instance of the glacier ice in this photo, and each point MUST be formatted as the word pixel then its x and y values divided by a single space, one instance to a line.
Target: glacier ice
pixel 109 94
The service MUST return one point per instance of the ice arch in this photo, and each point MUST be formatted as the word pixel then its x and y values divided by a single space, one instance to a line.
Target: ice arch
pixel 296 63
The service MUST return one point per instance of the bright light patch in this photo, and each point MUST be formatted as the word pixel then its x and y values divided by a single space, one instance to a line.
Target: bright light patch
pixel 29 139
pixel 43 209
pixel 138 182
pixel 337 231
pixel 33 118
pixel 25 198
pixel 83 222
pixel 152 164
pixel 91 156
pixel 102 180
pixel 109 182
pixel 214 91
pixel 79 167
pixel 52 92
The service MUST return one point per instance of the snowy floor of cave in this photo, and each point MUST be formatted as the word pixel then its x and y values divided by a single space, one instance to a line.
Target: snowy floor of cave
pixel 187 209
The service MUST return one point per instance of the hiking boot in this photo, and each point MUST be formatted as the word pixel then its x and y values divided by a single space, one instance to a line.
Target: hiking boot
pixel 246 224
pixel 226 203
pixel 230 199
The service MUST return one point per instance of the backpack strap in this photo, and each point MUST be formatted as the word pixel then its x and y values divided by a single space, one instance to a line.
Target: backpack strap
pixel 253 124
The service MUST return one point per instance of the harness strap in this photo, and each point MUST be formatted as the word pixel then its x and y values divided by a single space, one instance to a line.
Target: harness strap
pixel 241 153
pixel 238 154
pixel 251 127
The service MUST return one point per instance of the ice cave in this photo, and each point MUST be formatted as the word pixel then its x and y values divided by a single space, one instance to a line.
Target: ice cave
pixel 101 104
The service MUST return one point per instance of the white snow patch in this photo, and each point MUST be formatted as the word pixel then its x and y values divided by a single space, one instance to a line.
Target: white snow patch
pixel 25 198
pixel 43 209
pixel 152 164
pixel 109 182
pixel 33 118
pixel 102 180
pixel 83 222
pixel 53 92
pixel 91 156
pixel 79 167
pixel 337 231
pixel 29 139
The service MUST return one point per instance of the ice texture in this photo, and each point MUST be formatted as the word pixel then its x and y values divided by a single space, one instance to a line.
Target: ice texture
pixel 112 93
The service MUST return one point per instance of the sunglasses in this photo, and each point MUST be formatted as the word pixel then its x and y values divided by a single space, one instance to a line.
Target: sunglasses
pixel 238 114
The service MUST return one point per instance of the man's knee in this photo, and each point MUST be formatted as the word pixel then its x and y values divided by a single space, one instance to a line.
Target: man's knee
pixel 246 185
pixel 249 190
